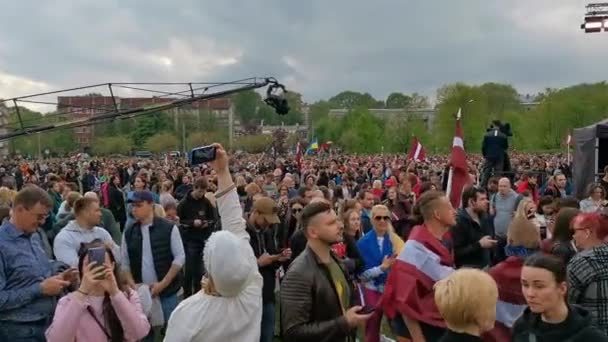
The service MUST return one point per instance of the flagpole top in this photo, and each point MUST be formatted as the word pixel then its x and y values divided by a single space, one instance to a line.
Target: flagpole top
pixel 459 114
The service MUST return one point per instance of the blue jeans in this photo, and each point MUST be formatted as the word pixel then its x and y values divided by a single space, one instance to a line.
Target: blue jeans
pixel 23 331
pixel 268 316
pixel 168 304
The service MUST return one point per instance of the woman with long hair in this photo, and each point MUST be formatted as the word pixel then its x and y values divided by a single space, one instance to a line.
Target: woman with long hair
pixel 549 317
pixel 523 240
pixel 561 244
pixel 102 309
pixel 595 200
pixel 117 201
pixel 401 210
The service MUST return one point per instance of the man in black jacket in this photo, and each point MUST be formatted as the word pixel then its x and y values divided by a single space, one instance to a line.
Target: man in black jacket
pixel 197 218
pixel 494 150
pixel 316 294
pixel 472 233
pixel 261 220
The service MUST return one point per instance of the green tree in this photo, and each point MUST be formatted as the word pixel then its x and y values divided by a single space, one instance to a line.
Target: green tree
pixel 162 142
pixel 149 125
pixel 110 145
pixel 351 99
pixel 198 139
pixel 398 100
pixel 246 104
pixel 364 132
pixel 319 111
pixel 253 143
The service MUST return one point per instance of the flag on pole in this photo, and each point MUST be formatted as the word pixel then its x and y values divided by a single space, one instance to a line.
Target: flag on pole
pixel 569 139
pixel 417 151
pixel 459 171
pixel 314 145
pixel 299 155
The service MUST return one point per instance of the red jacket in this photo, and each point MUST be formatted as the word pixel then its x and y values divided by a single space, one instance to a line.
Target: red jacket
pixel 523 186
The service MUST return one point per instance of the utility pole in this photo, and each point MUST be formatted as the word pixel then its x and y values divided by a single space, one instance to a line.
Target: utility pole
pixel 230 126
pixel 184 136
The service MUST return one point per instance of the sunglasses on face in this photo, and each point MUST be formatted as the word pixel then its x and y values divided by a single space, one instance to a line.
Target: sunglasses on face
pixel 382 218
pixel 296 210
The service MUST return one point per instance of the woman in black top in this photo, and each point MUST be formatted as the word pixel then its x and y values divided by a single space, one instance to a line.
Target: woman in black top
pixel 548 317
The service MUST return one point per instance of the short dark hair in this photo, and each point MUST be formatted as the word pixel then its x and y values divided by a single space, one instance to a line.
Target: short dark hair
pixel 566 202
pixel 312 210
pixel 470 193
pixel 29 196
pixel 83 203
pixel 363 192
pixel 302 190
pixel 550 263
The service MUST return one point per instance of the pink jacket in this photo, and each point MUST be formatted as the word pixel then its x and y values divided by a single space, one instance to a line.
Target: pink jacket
pixel 73 322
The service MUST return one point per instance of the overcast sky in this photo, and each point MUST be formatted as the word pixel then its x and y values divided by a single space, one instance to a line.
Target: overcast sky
pixel 317 47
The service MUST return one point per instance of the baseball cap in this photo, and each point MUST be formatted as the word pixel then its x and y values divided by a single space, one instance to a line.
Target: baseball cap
pixel 267 208
pixel 141 196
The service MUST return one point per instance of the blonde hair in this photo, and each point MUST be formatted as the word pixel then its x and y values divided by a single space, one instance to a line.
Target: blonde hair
pixel 523 233
pixel 377 184
pixel 159 211
pixel 252 189
pixel 6 197
pixel 521 208
pixel 466 298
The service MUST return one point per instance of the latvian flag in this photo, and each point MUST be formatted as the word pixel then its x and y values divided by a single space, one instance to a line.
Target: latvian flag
pixel 511 302
pixel 417 151
pixel 458 162
pixel 409 286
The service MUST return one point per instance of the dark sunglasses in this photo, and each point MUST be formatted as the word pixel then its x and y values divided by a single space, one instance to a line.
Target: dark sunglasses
pixel 384 218
pixel 296 210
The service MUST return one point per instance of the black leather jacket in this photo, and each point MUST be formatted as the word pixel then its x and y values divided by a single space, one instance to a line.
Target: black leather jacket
pixel 310 308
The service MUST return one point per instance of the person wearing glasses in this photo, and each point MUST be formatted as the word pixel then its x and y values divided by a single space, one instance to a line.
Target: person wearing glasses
pixel 587 272
pixel 28 285
pixel 378 253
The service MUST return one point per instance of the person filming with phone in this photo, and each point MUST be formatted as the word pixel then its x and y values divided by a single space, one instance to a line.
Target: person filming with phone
pixel 28 283
pixel 102 309
pixel 472 234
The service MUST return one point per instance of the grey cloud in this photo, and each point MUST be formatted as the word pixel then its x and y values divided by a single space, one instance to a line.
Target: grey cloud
pixel 379 46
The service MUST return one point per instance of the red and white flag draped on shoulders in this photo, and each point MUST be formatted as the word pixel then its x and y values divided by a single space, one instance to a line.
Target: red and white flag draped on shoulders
pixel 409 287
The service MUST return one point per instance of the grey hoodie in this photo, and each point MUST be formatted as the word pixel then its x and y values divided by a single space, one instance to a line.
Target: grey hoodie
pixel 67 242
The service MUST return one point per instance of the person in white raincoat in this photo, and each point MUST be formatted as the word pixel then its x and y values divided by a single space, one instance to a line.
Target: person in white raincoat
pixel 229 307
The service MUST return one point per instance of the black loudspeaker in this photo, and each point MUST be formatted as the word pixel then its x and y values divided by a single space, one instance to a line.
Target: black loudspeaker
pixel 602 156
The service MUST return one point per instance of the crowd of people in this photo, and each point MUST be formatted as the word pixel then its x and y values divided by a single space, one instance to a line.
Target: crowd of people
pixel 252 247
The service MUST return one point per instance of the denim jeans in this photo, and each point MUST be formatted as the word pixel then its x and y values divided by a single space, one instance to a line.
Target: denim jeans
pixel 168 304
pixel 23 331
pixel 268 317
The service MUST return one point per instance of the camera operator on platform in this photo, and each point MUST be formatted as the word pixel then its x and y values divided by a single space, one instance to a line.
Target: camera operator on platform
pixel 494 151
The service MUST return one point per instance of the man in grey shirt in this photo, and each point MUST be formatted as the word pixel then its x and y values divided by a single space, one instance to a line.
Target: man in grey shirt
pixel 503 206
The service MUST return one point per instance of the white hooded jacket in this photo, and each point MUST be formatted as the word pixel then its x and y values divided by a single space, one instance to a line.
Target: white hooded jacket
pixel 236 315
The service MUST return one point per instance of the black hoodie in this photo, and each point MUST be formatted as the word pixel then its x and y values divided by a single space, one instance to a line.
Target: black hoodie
pixel 577 327
pixel 190 209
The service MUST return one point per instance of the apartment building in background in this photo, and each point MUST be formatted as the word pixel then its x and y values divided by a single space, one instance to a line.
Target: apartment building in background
pixel 84 107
